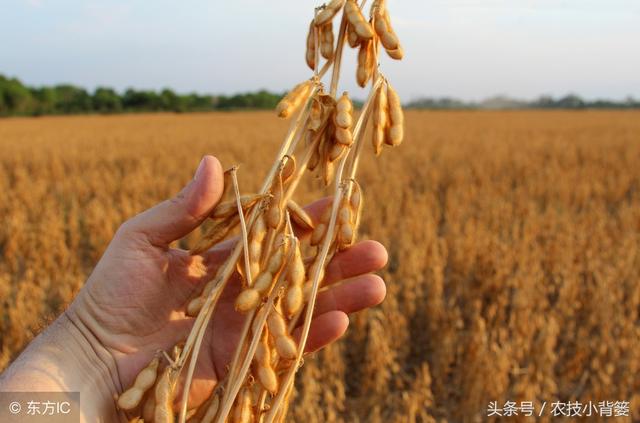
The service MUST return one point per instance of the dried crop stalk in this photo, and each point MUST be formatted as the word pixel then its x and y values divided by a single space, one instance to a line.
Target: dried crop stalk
pixel 278 289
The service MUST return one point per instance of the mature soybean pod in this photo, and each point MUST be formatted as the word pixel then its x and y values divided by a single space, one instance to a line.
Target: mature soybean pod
pixel 293 300
pixel 396 54
pixel 395 131
pixel 380 119
pixel 336 151
pixel 247 300
pixel 212 410
pixel 130 398
pixel 310 52
pixel 149 406
pixel 286 347
pixel 391 40
pixel 299 215
pixel 326 14
pixel 326 40
pixel 364 70
pixel 357 20
pixel 276 324
pixel 352 37
pixel 293 99
pixel 343 117
pixel 164 397
pixel 383 28
pixel 244 410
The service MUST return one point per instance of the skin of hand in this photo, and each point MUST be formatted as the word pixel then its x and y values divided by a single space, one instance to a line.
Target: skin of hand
pixel 132 305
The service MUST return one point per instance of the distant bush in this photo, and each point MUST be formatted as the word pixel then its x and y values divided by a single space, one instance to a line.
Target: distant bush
pixel 19 99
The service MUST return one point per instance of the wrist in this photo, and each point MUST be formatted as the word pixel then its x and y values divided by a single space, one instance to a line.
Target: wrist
pixel 67 358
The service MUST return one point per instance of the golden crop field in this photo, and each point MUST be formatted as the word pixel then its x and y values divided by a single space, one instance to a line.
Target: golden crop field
pixel 514 243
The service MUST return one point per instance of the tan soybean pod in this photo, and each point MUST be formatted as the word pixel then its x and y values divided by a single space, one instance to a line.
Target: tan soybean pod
pixel 295 270
pixel 247 300
pixel 195 305
pixel 276 260
pixel 326 40
pixel 130 398
pixel 276 324
pixel 288 169
pixel 275 210
pixel 352 37
pixel 312 271
pixel 321 227
pixel 243 412
pixel 295 276
pixel 164 393
pixel 336 151
pixel 383 28
pixel 212 409
pixel 258 232
pixel 267 377
pixel 293 300
pixel 345 215
pixel 315 115
pixel 286 347
pixel 262 367
pixel 330 10
pixel 228 208
pixel 380 119
pixel 343 116
pixel 293 99
pixel 357 20
pixel 396 53
pixel 314 161
pixel 356 198
pixel 356 205
pixel 149 406
pixel 346 236
pixel 364 70
pixel 395 130
pixel 343 136
pixel 318 234
pixel 263 351
pixel 346 223
pixel 299 216
pixel 329 167
pixel 310 52
pixel 215 234
pixel 263 282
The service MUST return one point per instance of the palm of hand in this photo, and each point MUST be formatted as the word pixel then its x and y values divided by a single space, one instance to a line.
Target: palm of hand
pixel 134 300
pixel 141 311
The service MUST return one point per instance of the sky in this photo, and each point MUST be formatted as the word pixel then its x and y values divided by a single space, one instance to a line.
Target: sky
pixel 468 49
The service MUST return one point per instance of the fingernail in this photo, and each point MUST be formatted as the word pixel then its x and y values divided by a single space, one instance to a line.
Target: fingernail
pixel 200 170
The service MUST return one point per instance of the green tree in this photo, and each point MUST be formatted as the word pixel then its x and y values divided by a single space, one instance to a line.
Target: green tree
pixel 106 100
pixel 16 98
pixel 71 99
pixel 45 100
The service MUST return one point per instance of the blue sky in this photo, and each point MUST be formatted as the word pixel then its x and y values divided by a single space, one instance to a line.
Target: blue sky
pixel 469 49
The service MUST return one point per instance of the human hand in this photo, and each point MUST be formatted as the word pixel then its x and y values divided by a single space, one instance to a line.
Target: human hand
pixel 132 304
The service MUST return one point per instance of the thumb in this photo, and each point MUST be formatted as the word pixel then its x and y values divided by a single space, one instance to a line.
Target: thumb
pixel 172 219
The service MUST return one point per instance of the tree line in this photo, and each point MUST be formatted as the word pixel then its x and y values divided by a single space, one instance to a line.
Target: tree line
pixel 17 99
pixel 570 101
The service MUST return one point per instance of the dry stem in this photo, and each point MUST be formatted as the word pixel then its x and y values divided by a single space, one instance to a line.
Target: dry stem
pixel 243 226
pixel 324 251
pixel 257 327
